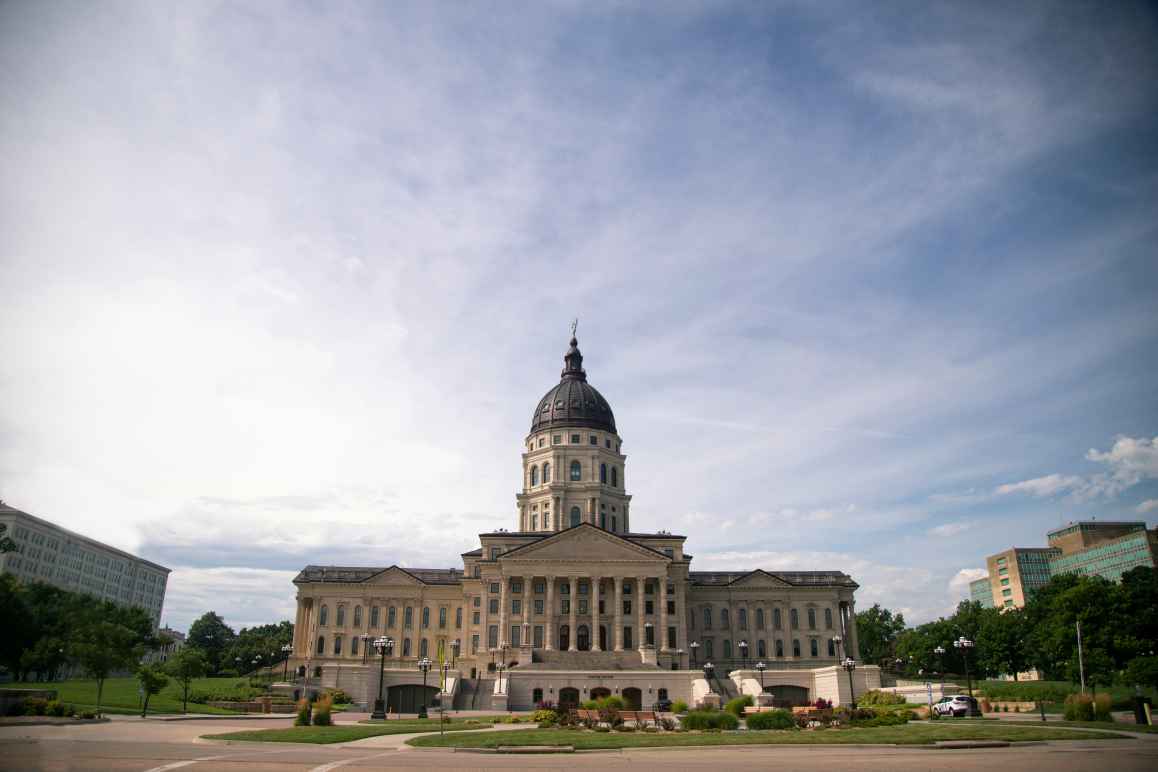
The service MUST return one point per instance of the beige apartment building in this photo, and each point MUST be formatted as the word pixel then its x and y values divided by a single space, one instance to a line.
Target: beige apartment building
pixel 576 600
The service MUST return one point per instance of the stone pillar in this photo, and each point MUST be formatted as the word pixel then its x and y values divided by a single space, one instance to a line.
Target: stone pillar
pixel 528 586
pixel 572 635
pixel 639 606
pixel 661 634
pixel 854 644
pixel 503 612
pixel 618 612
pixel 681 615
pixel 550 641
pixel 595 613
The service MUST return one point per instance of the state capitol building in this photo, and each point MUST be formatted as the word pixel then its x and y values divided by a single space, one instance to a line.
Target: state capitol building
pixel 575 603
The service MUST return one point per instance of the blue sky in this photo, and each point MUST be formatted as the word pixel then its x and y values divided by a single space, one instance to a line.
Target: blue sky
pixel 869 288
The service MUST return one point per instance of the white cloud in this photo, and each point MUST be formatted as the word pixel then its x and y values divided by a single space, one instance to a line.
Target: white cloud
pixel 1149 505
pixel 244 597
pixel 1050 485
pixel 1130 461
pixel 950 529
pixel 959 584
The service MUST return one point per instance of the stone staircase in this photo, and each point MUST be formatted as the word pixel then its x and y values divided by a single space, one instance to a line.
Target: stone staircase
pixel 483 692
pixel 467 690
pixel 586 660
pixel 724 687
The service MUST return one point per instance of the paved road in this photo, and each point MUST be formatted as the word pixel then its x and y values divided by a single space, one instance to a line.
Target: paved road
pixel 135 746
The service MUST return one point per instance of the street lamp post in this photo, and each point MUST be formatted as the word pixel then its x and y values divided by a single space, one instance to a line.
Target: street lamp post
pixel 836 639
pixel 365 639
pixel 744 653
pixel 709 668
pixel 384 645
pixel 694 646
pixel 964 645
pixel 760 668
pixel 454 652
pixel 679 659
pixel 286 651
pixel 849 665
pixel 940 652
pixel 424 666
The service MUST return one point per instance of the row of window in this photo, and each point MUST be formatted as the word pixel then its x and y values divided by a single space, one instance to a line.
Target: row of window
pixel 576 474
pixel 576 439
pixel 404 649
pixel 391 616
pixel 707 648
pixel 777 621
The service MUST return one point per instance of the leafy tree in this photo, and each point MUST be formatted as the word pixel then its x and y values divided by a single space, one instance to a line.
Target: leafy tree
pixel 877 630
pixel 262 642
pixel 14 617
pixel 104 647
pixel 1001 645
pixel 185 665
pixel 152 680
pixel 212 637
pixel 1142 671
pixel 46 657
pixel 6 542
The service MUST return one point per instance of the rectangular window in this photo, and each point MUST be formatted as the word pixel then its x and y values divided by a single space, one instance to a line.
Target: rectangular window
pixel 540 442
pixel 494 554
pixel 442 618
pixel 671 607
pixel 374 616
pixel 493 605
pixel 494 587
pixel 601 606
pixel 575 439
pixel 584 588
pixel 474 644
pixel 1007 592
pixel 627 638
pixel 425 616
pixel 408 617
pixel 538 637
pixel 565 588
pixel 493 637
pixel 1004 582
pixel 540 588
pixel 594 440
pixel 458 618
pixel 557 439
pixel 608 441
pixel 648 607
pixel 538 607
pixel 516 606
pixel 648 588
pixel 517 587
pixel 477 601
pixel 566 606
pixel 626 607
pixel 475 618
pixel 582 605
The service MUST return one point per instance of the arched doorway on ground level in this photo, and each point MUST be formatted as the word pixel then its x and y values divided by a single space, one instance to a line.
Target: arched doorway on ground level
pixel 568 697
pixel 564 637
pixel 633 697
pixel 599 692
pixel 787 696
pixel 408 698
pixel 583 641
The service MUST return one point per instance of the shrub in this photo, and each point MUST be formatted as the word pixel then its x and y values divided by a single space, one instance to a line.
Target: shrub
pixel 822 704
pixel 878 697
pixel 340 697
pixel 710 719
pixel 624 728
pixel 35 706
pixel 542 714
pixel 883 719
pixel 58 709
pixel 771 719
pixel 1079 707
pixel 602 729
pixel 1102 704
pixel 322 708
pixel 666 724
pixel 679 706
pixel 736 706
pixel 88 715
pixel 304 710
pixel 611 701
pixel 589 705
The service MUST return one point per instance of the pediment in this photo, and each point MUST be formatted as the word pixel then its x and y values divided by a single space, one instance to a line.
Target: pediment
pixel 760 578
pixel 584 543
pixel 394 576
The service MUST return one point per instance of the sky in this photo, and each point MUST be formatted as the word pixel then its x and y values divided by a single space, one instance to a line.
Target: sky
pixel 869 287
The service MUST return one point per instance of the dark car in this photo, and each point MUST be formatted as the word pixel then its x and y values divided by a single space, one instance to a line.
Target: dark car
pixel 662 706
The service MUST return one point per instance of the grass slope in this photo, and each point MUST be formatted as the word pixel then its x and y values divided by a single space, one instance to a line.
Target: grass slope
pixel 120 694
pixel 912 734
pixel 325 735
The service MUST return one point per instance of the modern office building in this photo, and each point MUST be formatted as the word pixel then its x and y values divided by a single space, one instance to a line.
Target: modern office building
pixel 1089 547
pixel 48 553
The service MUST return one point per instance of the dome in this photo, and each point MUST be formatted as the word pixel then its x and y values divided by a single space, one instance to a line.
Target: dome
pixel 574 402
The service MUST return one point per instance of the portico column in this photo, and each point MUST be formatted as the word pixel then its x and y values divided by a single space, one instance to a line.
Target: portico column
pixel 639 605
pixel 595 613
pixel 661 634
pixel 617 581
pixel 573 594
pixel 550 613
pixel 526 634
pixel 681 615
pixel 854 644
pixel 503 612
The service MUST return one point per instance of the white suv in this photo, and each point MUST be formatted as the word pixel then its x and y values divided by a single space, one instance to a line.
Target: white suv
pixel 957 705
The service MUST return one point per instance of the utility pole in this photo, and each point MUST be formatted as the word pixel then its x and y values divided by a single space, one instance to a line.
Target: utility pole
pixel 1081 665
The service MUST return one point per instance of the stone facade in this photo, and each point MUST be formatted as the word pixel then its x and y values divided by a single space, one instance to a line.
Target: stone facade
pixel 574 600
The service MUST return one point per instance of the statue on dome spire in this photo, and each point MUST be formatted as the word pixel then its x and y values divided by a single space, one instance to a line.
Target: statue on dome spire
pixel 574 327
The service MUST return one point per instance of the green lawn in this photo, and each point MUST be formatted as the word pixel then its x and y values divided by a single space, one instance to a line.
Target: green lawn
pixel 911 734
pixel 120 694
pixel 1053 691
pixel 339 734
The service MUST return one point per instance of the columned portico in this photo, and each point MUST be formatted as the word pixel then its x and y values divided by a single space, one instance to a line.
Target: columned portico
pixel 595 613
pixel 618 582
pixel 552 619
pixel 640 582
pixel 572 604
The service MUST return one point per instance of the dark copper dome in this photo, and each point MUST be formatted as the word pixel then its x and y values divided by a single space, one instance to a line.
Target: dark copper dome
pixel 574 402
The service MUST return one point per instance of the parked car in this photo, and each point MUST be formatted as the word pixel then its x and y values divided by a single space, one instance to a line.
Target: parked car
pixel 959 705
pixel 662 706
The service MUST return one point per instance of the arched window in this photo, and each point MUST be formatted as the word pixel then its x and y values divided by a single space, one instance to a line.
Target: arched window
pixel 603 473
pixel 811 619
pixel 794 617
pixel 534 522
pixel 724 618
pixel 761 650
pixel 323 615
pixel 576 516
pixel 423 647
pixel 707 618
pixel 779 648
pixel 776 618
pixel 321 644
pixel 534 476
pixel 405 647
pixel 814 648
pixel 337 644
pixel 828 619
pixel 374 616
pixel 614 477
pixel 546 473
pixel 357 616
pixel 759 619
pixel 743 618
pixel 576 471
pixel 426 616
pixel 341 616
pixel 831 648
pixel 796 647
pixel 392 616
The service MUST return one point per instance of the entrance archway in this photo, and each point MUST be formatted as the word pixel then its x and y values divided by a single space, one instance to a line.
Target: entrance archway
pixel 788 696
pixel 633 697
pixel 584 638
pixel 568 697
pixel 408 698
pixel 564 637
pixel 603 637
pixel 599 692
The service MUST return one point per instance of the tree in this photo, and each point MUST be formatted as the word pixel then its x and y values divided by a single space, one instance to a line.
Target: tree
pixel 877 630
pixel 104 647
pixel 185 665
pixel 152 680
pixel 1001 644
pixel 6 542
pixel 1142 671
pixel 212 637
pixel 261 641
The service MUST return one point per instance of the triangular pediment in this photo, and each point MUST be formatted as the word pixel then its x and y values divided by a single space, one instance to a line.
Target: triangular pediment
pixel 584 543
pixel 760 578
pixel 394 576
